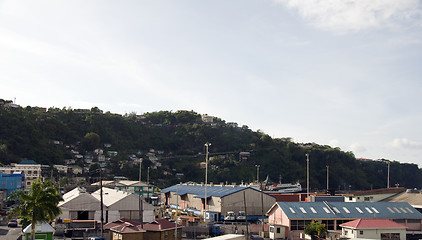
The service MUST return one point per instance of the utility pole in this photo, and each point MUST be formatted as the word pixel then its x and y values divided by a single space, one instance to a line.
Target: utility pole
pixel 148 176
pixel 257 174
pixel 101 198
pixel 307 177
pixel 177 209
pixel 207 145
pixel 141 210
pixel 328 177
pixel 388 174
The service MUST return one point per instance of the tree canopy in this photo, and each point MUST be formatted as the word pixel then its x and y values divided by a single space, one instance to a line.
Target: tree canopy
pixel 177 140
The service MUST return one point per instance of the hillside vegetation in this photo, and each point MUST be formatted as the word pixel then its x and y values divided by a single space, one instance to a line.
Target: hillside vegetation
pixel 171 144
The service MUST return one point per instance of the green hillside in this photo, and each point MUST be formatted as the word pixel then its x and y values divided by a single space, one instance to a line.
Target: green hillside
pixel 172 146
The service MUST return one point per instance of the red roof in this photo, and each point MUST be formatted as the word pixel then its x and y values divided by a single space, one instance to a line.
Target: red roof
pixel 160 225
pixel 372 223
pixel 379 191
pixel 119 222
pixel 127 228
pixel 124 225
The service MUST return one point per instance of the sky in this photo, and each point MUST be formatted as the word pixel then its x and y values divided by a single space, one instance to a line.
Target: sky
pixel 344 73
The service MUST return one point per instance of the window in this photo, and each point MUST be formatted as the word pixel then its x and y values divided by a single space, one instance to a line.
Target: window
pixel 299 224
pixel 302 209
pixel 329 224
pixel 367 199
pixel 374 209
pixel 369 210
pixel 361 232
pixel 336 210
pixel 390 236
pixel 313 210
pixel 408 209
pixel 271 229
pixel 346 210
pixel 391 210
pixel 291 210
pixel 402 209
pixel 397 210
pixel 278 230
pixel 326 210
pixel 350 198
pixel 358 209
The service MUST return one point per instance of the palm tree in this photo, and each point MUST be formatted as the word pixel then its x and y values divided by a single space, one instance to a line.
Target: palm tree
pixel 36 205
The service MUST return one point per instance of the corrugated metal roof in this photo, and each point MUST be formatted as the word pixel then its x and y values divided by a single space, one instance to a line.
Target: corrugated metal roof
pixel 349 210
pixel 199 190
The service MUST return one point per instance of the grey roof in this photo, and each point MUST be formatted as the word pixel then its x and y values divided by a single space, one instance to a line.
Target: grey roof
pixel 349 210
pixel 199 190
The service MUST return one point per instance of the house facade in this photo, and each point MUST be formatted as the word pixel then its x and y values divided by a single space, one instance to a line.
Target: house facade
pixel 379 229
pixel 29 168
pixel 289 219
pixel 11 182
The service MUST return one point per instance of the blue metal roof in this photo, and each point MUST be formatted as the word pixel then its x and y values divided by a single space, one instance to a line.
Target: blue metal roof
pixel 199 190
pixel 349 210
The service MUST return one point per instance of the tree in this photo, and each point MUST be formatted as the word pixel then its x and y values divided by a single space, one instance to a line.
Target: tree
pixel 316 229
pixel 39 204
pixel 91 141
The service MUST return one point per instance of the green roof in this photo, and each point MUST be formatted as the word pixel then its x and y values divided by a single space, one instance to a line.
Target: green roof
pixel 28 162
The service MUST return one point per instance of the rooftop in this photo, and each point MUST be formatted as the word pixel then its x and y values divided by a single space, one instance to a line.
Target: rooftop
pixel 349 210
pixel 199 190
pixel 372 223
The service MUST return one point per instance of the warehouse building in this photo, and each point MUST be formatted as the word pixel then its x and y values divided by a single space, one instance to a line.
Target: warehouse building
pixel 289 219
pixel 221 199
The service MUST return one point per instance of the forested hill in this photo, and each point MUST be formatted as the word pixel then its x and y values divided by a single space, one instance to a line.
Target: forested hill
pixel 171 145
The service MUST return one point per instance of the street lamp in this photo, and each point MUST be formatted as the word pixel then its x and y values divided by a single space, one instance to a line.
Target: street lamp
pixel 207 145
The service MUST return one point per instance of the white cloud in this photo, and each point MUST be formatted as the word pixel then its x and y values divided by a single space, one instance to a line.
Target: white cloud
pixel 357 148
pixel 355 15
pixel 405 143
pixel 334 143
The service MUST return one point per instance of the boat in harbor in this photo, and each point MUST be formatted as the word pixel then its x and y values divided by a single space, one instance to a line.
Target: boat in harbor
pixel 285 187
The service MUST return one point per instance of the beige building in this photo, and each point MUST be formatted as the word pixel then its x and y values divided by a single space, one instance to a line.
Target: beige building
pixel 29 168
pixel 374 195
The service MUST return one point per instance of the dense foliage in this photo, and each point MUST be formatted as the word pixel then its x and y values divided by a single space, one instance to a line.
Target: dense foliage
pixel 49 136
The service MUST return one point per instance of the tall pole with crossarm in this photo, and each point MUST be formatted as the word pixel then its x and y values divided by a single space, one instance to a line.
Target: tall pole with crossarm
pixel 207 145
pixel 307 177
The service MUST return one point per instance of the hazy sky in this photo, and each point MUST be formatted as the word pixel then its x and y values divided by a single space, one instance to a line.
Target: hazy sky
pixel 336 72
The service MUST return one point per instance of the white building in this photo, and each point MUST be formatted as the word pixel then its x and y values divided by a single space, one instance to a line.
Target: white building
pixel 78 204
pixel 374 195
pixel 373 229
pixel 29 168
